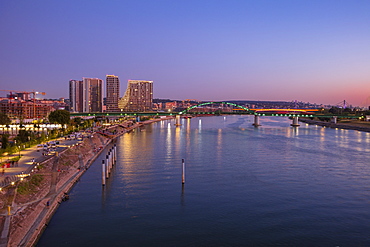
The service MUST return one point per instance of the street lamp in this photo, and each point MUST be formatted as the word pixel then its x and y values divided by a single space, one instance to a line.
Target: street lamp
pixel 19 148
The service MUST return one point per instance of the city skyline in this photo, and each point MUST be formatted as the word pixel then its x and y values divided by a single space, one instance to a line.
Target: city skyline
pixel 311 51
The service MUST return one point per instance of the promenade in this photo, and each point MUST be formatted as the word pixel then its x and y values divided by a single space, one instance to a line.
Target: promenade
pixel 31 157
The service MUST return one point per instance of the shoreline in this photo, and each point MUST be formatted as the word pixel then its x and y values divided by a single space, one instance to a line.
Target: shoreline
pixel 28 219
pixel 348 126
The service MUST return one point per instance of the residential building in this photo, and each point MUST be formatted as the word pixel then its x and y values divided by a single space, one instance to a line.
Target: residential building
pixel 76 95
pixel 92 95
pixel 86 95
pixel 138 96
pixel 112 93
pixel 22 109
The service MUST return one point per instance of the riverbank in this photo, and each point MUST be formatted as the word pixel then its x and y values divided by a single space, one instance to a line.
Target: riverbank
pixel 346 124
pixel 29 213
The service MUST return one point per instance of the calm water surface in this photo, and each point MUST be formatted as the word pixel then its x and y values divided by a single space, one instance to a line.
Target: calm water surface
pixel 274 185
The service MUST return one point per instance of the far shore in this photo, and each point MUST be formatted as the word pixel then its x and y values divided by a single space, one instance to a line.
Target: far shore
pixel 342 124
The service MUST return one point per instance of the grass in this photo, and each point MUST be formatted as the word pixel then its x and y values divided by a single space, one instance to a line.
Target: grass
pixel 29 186
pixel 68 163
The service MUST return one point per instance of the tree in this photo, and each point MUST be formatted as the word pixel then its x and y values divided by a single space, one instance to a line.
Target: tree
pixel 59 116
pixel 4 141
pixel 4 119
pixel 23 136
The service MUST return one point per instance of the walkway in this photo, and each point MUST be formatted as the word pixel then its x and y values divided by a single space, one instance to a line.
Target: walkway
pixel 32 154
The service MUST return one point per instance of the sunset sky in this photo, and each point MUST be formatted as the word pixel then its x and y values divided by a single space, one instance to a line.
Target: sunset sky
pixel 314 51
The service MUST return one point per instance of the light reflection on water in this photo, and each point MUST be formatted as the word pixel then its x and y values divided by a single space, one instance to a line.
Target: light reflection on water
pixel 245 186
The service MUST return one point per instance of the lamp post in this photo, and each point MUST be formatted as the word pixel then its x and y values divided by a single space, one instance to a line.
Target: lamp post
pixel 19 148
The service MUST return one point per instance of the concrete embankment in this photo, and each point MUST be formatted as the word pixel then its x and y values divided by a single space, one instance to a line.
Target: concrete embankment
pixel 31 213
pixel 350 126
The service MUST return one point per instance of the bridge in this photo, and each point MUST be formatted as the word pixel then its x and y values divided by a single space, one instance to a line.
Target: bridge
pixel 201 109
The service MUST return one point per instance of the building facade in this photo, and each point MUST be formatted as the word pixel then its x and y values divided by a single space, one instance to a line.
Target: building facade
pixel 92 95
pixel 21 109
pixel 86 95
pixel 112 93
pixel 138 96
pixel 76 95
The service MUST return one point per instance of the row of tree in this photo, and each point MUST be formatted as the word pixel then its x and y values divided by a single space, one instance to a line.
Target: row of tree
pixel 29 138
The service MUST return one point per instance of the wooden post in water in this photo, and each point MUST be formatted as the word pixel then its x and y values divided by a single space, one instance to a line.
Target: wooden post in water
pixel 103 172
pixel 107 167
pixel 112 156
pixel 109 161
pixel 115 153
pixel 183 171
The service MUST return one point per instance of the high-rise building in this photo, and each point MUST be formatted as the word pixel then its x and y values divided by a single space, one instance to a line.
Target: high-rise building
pixel 92 95
pixel 138 96
pixel 76 95
pixel 112 90
pixel 86 95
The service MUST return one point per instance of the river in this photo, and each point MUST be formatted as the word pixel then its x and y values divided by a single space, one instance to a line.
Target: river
pixel 274 185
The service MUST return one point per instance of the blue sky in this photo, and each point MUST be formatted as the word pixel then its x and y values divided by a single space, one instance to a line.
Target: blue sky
pixel 312 51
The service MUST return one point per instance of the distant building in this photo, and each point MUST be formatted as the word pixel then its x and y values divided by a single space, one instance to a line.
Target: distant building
pixel 86 95
pixel 171 105
pixel 76 95
pixel 112 90
pixel 93 95
pixel 138 96
pixel 22 109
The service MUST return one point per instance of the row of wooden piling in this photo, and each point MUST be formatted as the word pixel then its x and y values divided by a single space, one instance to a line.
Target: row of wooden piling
pixel 108 163
pixel 111 159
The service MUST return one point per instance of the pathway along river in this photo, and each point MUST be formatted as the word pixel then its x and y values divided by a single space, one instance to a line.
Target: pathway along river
pixel 267 186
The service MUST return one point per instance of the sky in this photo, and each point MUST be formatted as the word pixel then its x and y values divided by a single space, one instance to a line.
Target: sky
pixel 315 51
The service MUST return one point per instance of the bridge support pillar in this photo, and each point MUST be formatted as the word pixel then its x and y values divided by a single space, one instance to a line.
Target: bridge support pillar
pixel 178 120
pixel 256 121
pixel 334 120
pixel 295 122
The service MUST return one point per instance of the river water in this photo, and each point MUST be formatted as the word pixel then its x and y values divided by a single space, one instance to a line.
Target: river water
pixel 274 185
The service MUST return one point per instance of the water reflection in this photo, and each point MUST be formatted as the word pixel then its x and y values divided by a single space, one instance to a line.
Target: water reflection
pixel 283 182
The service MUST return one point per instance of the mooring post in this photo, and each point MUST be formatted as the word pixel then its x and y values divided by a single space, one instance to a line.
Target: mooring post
pixel 106 167
pixel 111 158
pixel 183 171
pixel 103 172
pixel 109 161
pixel 115 153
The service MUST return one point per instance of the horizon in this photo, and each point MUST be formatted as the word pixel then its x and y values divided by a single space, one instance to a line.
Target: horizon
pixel 307 51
